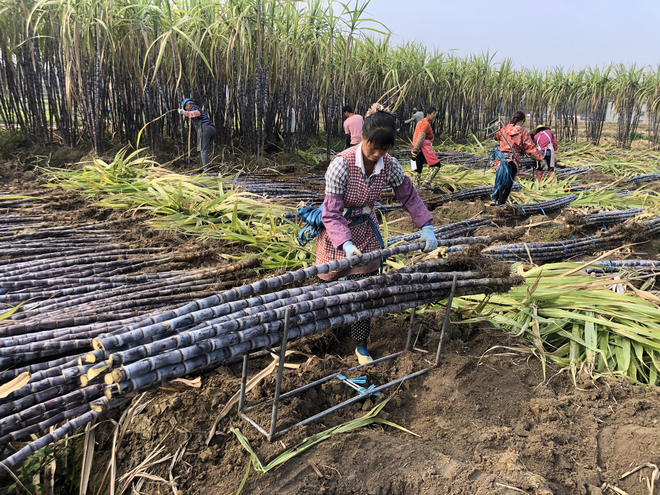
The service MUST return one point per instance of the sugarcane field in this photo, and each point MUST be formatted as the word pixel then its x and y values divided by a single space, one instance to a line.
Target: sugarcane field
pixel 261 246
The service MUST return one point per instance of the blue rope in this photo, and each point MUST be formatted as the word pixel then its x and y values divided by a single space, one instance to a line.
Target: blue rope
pixel 312 217
pixel 503 177
pixel 541 208
pixel 592 240
pixel 564 247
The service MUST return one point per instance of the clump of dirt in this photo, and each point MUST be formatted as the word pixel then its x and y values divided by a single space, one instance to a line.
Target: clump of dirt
pixel 457 211
pixel 597 178
pixel 630 231
pixel 471 259
pixel 574 218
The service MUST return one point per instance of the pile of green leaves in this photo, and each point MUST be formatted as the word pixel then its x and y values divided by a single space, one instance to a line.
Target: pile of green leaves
pixel 194 205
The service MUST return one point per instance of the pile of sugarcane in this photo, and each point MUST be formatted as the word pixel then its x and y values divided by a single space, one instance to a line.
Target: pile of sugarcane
pixel 143 354
pixel 444 232
pixel 293 189
pixel 607 218
pixel 639 179
pixel 555 250
pixel 544 207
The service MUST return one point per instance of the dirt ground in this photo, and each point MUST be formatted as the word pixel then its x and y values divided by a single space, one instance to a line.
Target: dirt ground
pixel 486 421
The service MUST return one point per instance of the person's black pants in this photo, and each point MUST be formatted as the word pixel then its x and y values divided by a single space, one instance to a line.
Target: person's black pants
pixel 360 330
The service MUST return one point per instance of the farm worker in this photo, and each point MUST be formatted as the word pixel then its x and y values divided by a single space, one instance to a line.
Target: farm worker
pixel 513 139
pixel 417 116
pixel 352 126
pixel 422 140
pixel 547 143
pixel 355 179
pixel 204 127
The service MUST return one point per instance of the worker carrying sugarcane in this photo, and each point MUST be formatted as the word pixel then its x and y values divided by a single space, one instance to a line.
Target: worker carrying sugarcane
pixel 547 144
pixel 352 126
pixel 354 182
pixel 204 127
pixel 422 140
pixel 514 141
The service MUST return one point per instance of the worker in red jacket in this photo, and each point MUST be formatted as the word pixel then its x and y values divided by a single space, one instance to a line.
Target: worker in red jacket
pixel 513 139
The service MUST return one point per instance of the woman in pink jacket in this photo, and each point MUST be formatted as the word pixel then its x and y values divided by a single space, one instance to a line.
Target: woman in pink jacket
pixel 547 143
pixel 355 179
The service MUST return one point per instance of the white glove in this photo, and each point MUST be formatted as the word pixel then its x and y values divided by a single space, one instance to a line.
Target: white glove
pixel 428 236
pixel 182 111
pixel 350 249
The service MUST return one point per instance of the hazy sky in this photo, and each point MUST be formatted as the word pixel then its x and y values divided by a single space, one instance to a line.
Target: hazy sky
pixel 568 33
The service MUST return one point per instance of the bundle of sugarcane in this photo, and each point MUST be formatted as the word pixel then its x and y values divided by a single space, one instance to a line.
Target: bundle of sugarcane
pixel 639 179
pixel 209 332
pixel 380 208
pixel 467 194
pixel 544 207
pixel 554 250
pixel 449 231
pixel 563 173
pixel 607 218
pixel 615 266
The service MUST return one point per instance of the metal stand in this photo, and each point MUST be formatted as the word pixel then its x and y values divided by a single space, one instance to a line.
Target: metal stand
pixel 273 433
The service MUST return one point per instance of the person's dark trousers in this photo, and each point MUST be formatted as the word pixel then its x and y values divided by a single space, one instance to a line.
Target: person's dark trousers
pixel 513 169
pixel 208 133
pixel 420 161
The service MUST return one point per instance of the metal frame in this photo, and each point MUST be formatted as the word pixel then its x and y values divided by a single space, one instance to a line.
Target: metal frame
pixel 272 433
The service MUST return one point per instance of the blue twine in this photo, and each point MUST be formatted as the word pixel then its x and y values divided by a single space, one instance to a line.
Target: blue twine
pixel 312 217
pixel 541 208
pixel 592 240
pixel 503 178
pixel 605 227
pixel 564 247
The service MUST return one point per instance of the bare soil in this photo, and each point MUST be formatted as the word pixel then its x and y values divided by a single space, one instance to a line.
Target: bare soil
pixel 484 421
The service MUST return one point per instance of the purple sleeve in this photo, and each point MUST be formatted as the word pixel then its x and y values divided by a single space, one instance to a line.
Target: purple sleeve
pixel 407 194
pixel 333 220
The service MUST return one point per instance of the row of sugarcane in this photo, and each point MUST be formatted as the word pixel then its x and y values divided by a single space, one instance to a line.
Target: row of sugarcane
pixel 205 333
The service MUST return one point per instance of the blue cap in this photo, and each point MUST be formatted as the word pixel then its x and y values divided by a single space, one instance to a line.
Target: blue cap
pixel 183 105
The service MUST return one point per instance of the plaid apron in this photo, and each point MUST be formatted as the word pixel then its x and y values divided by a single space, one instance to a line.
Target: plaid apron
pixel 356 195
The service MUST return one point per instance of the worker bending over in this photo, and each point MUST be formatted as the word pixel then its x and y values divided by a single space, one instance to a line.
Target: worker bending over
pixel 355 180
pixel 547 143
pixel 204 127
pixel 514 141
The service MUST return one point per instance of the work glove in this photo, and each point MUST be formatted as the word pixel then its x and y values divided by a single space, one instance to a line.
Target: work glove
pixel 428 236
pixel 182 111
pixel 413 153
pixel 351 250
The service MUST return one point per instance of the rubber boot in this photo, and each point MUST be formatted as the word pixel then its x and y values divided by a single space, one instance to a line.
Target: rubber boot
pixel 363 355
pixel 550 177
